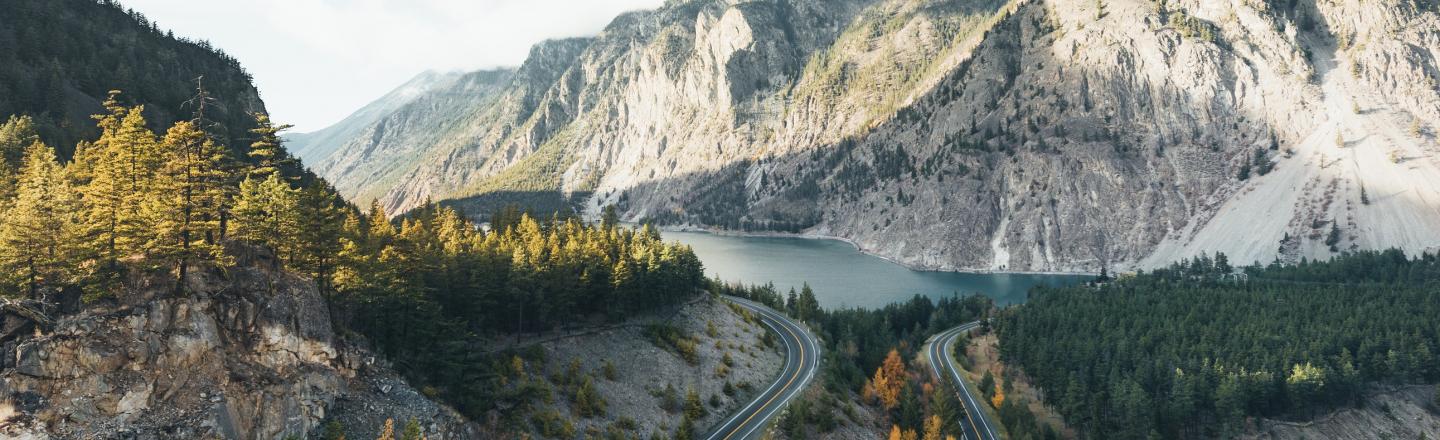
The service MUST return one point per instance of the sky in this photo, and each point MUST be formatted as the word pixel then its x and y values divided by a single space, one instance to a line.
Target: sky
pixel 316 61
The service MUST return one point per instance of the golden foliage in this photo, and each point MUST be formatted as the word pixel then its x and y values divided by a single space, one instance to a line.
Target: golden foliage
pixel 932 428
pixel 388 432
pixel 889 379
pixel 999 397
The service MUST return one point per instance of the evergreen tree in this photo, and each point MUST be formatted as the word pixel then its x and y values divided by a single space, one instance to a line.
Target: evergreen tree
pixel 609 218
pixel 267 212
pixel 413 431
pixel 321 217
pixel 39 234
pixel 588 402
pixel 268 151
pixel 116 173
pixel 694 409
pixel 189 192
pixel 806 305
pixel 333 431
pixel 16 134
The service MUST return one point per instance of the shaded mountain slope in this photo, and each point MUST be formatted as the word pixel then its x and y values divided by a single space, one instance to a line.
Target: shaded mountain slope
pixel 62 57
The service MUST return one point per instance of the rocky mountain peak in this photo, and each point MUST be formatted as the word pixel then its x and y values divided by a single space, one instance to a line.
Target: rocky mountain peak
pixel 1046 135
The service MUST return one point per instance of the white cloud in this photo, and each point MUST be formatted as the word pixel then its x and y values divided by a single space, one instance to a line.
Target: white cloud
pixel 315 61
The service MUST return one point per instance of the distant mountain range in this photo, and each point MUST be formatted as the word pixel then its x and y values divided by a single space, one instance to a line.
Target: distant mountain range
pixel 1056 135
pixel 315 146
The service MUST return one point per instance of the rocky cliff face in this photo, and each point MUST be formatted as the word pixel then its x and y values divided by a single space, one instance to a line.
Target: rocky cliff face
pixel 247 353
pixel 1044 135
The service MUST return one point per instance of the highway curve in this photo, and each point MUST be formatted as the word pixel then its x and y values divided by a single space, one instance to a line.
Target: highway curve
pixel 801 363
pixel 977 425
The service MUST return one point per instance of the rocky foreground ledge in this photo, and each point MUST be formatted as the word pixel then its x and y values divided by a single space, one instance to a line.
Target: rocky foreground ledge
pixel 247 352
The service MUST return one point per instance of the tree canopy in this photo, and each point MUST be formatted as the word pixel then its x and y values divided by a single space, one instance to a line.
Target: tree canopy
pixel 1193 349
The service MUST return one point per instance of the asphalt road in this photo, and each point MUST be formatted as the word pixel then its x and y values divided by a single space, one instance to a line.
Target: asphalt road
pixel 977 425
pixel 801 363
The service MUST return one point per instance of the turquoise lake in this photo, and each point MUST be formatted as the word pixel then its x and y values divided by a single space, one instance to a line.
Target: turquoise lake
pixel 843 276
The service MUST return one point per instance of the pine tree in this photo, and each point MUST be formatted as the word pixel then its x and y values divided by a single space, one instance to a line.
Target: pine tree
pixel 266 211
pixel 117 172
pixel 320 220
pixel 39 235
pixel 413 431
pixel 16 134
pixel 334 431
pixel 588 402
pixel 694 409
pixel 808 306
pixel 188 198
pixel 268 151
pixel 609 218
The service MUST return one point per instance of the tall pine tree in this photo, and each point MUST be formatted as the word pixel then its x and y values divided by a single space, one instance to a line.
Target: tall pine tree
pixel 116 174
pixel 267 212
pixel 188 195
pixel 268 152
pixel 16 134
pixel 39 235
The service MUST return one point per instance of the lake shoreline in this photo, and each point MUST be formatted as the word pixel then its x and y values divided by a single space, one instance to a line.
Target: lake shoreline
pixel 858 248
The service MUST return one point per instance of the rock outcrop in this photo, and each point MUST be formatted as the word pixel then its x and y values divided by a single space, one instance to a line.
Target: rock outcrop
pixel 1040 135
pixel 243 353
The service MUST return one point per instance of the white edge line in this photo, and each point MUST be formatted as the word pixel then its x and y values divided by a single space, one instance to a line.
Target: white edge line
pixel 757 401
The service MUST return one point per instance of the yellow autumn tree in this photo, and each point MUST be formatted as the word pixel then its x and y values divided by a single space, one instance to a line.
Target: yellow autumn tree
pixel 932 428
pixel 388 432
pixel 894 432
pixel 910 434
pixel 889 379
pixel 999 397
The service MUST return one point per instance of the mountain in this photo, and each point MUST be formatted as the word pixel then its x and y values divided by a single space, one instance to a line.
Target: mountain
pixel 63 57
pixel 392 140
pixel 316 146
pixel 1044 135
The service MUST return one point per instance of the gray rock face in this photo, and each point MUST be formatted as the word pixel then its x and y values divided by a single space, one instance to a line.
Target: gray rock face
pixel 248 354
pixel 1045 135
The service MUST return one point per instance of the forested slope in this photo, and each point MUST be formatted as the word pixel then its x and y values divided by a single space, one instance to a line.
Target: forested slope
pixel 872 381
pixel 1192 350
pixel 62 57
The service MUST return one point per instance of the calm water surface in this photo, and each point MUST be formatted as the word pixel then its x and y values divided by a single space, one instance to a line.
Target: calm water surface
pixel 843 276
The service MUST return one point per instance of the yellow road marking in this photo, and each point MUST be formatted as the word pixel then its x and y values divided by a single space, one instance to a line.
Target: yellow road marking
pixel 940 346
pixel 782 389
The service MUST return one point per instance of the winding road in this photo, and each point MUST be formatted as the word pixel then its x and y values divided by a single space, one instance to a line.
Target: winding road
pixel 977 425
pixel 801 363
